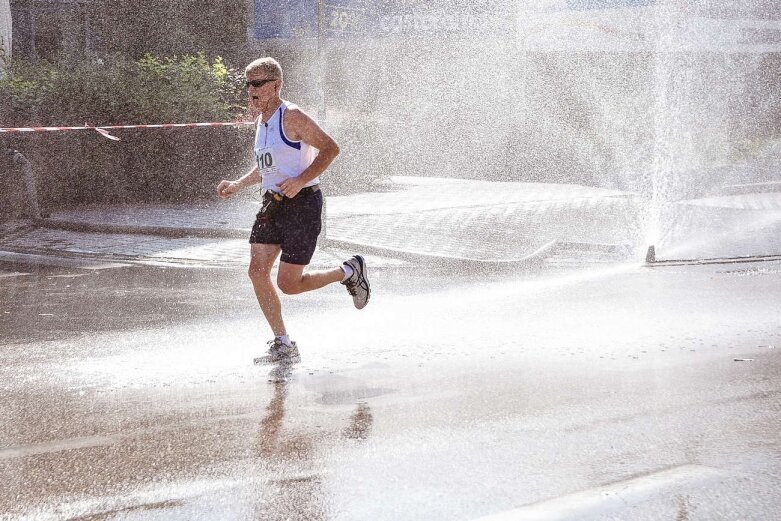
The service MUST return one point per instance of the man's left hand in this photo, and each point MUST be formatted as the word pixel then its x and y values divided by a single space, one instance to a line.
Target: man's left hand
pixel 291 187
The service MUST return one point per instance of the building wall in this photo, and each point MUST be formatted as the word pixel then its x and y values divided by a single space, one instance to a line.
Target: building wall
pixel 56 29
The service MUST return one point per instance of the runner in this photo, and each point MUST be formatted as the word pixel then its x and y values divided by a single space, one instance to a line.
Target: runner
pixel 292 151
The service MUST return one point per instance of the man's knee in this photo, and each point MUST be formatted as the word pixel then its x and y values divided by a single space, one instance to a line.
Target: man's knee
pixel 258 273
pixel 288 285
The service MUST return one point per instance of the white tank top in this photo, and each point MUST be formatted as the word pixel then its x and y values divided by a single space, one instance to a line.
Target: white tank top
pixel 278 157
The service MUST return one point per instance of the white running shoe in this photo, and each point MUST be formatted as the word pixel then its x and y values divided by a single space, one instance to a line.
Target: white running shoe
pixel 279 352
pixel 358 283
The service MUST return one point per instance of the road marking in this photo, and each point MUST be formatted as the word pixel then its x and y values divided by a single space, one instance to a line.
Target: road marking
pixel 153 497
pixel 609 498
pixel 55 446
pixel 4 274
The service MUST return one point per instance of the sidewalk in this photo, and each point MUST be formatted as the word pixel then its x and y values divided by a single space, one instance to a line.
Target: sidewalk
pixel 406 220
pixel 409 220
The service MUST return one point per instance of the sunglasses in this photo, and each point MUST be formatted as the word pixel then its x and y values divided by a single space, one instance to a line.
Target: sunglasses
pixel 258 83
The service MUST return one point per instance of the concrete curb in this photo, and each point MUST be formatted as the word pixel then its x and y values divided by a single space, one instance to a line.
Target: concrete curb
pixel 231 233
pixel 105 261
pixel 725 260
pixel 160 231
pixel 441 260
pixel 748 188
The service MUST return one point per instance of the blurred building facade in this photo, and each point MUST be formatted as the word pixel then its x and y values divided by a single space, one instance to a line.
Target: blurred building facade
pixel 585 91
pixel 598 92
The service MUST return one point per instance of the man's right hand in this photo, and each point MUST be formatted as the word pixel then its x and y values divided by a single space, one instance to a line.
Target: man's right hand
pixel 227 188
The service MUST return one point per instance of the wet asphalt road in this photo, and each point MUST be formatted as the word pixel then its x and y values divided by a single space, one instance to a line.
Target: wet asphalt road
pixel 603 393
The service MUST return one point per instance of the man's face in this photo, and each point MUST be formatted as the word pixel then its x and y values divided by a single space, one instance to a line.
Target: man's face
pixel 260 90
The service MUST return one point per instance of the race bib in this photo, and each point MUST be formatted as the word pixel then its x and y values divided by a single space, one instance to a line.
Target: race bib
pixel 266 163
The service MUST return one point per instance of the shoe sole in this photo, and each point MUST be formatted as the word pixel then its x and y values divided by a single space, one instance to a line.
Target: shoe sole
pixel 265 360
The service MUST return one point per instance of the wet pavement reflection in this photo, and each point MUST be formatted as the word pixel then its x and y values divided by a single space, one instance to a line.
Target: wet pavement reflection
pixel 284 452
pixel 279 452
pixel 453 397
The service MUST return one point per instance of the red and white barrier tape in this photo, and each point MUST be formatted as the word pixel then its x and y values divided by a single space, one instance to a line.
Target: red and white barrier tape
pixel 103 130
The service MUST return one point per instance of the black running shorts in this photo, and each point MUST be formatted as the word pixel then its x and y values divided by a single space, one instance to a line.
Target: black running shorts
pixel 294 224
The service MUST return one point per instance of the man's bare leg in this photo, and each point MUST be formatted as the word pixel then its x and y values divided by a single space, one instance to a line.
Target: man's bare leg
pixel 261 261
pixel 292 279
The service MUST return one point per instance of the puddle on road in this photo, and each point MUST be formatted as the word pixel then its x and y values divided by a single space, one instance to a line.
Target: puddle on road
pixel 350 396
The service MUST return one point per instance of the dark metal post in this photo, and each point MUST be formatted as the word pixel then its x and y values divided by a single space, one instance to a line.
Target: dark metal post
pixel 321 115
pixel 650 255
pixel 321 59
pixel 34 209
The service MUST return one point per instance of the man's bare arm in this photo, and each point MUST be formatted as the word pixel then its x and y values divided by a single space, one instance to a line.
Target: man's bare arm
pixel 227 188
pixel 300 127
